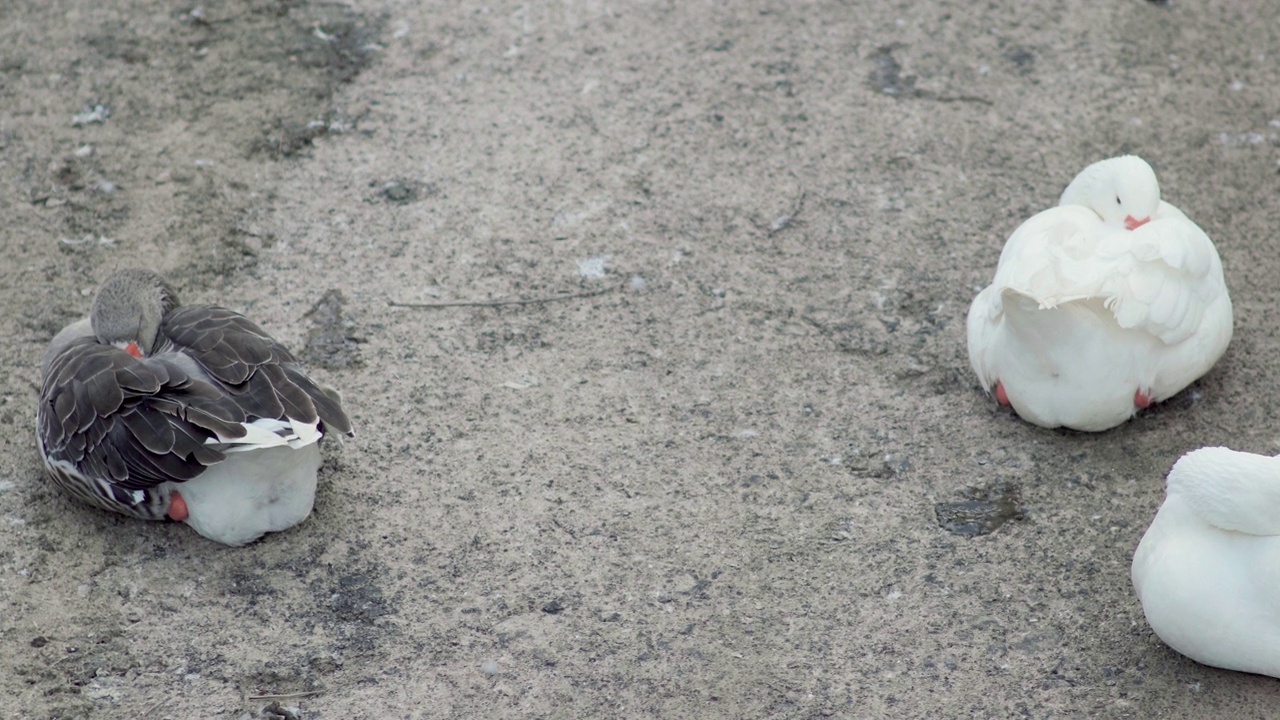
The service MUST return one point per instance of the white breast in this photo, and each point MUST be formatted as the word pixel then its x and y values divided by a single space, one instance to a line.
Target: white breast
pixel 253 493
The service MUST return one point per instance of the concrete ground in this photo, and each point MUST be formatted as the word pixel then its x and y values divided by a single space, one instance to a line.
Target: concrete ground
pixel 706 485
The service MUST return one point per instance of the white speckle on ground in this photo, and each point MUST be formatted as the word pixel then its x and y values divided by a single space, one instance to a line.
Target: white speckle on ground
pixel 86 240
pixel 96 691
pixel 96 114
pixel 593 268
pixel 1248 138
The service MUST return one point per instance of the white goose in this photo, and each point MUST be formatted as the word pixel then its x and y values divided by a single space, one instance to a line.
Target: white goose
pixel 1207 571
pixel 1101 306
pixel 155 410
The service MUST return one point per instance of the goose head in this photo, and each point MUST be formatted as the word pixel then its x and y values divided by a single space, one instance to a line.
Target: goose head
pixel 128 309
pixel 1122 190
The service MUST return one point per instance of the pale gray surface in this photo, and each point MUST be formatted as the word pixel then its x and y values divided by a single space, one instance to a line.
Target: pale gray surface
pixel 725 482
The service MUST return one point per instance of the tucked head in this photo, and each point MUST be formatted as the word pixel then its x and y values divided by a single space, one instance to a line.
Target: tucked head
pixel 128 309
pixel 1122 190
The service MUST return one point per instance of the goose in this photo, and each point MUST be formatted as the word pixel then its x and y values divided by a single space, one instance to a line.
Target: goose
pixel 158 411
pixel 1207 571
pixel 1101 306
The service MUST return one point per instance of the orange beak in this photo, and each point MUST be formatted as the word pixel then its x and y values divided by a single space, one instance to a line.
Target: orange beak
pixel 133 349
pixel 1131 223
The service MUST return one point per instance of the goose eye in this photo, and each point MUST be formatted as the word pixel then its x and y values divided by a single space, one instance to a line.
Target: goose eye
pixel 1117 199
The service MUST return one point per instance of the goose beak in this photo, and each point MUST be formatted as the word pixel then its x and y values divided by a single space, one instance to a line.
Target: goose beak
pixel 1132 223
pixel 133 349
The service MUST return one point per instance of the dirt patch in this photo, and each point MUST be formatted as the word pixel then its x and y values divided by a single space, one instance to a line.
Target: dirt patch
pixel 155 129
pixel 983 510
pixel 333 341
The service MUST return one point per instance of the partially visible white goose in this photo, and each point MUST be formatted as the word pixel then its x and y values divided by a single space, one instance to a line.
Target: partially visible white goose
pixel 1109 302
pixel 1207 572
pixel 156 410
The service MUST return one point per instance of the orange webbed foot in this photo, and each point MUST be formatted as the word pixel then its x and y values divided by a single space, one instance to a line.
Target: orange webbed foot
pixel 178 508
pixel 1001 396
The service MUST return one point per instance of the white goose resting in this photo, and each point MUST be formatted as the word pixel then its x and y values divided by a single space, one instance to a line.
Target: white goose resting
pixel 1109 302
pixel 1207 571
pixel 194 414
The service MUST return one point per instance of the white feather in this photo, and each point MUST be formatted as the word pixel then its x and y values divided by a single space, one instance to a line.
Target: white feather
pixel 268 433
pixel 303 433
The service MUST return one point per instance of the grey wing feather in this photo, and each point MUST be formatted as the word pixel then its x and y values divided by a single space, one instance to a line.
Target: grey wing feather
pixel 130 423
pixel 257 373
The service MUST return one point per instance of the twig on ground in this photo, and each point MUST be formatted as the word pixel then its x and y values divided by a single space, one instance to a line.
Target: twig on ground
pixel 498 303
pixel 285 696
pixel 149 711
